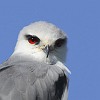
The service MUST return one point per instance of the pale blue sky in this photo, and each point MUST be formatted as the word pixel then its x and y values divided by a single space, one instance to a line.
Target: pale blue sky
pixel 80 19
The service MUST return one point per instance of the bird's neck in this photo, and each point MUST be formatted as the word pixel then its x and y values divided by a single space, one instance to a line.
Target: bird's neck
pixel 40 56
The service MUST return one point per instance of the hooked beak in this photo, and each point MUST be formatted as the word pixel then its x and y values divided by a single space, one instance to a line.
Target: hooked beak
pixel 47 50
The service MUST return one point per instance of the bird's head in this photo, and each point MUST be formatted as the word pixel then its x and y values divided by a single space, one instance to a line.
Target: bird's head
pixel 42 41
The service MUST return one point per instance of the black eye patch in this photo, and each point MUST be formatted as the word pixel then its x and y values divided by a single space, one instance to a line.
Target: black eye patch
pixel 60 42
pixel 32 39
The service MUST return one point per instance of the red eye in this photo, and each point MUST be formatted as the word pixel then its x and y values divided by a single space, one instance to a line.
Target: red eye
pixel 32 39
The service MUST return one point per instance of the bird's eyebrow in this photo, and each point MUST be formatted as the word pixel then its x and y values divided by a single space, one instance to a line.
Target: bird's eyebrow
pixel 28 36
pixel 62 39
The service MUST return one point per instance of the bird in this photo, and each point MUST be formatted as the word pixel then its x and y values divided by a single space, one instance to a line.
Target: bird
pixel 36 69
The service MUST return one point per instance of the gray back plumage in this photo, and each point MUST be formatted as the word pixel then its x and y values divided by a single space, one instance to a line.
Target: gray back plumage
pixel 24 79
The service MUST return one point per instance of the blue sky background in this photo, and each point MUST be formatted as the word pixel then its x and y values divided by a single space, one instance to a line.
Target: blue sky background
pixel 80 19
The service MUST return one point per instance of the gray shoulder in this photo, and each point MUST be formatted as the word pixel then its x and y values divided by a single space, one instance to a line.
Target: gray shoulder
pixel 31 80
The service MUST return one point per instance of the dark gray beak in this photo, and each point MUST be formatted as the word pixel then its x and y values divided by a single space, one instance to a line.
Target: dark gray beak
pixel 47 50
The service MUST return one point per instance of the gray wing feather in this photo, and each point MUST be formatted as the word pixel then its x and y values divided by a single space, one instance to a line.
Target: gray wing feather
pixel 31 93
pixel 7 86
pixel 44 89
pixel 39 90
pixel 29 80
pixel 20 83
pixel 17 95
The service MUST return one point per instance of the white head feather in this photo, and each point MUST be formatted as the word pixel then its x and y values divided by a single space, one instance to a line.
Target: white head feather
pixel 48 35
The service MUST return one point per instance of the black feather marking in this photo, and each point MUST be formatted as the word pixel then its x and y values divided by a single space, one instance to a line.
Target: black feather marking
pixel 4 68
pixel 60 42
pixel 60 85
